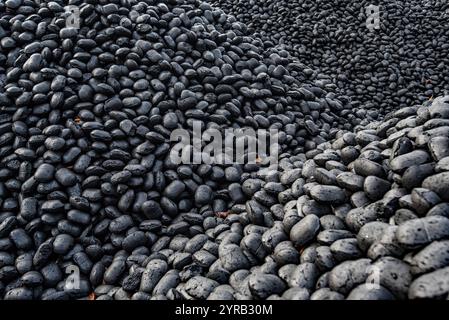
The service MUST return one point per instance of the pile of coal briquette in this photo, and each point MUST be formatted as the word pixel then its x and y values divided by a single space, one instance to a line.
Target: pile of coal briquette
pixel 363 217
pixel 86 180
pixel 92 206
pixel 401 63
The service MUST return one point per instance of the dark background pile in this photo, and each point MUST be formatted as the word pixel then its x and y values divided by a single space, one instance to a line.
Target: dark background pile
pixel 404 62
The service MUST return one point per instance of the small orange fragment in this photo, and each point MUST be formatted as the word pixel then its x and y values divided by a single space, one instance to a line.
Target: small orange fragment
pixel 91 296
pixel 222 214
pixel 77 119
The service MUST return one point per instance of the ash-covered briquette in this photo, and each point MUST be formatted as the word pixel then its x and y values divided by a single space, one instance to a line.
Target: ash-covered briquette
pixel 365 216
pixel 383 54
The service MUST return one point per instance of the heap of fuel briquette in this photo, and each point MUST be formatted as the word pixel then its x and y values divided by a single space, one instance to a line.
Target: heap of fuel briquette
pixel 383 54
pixel 93 207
